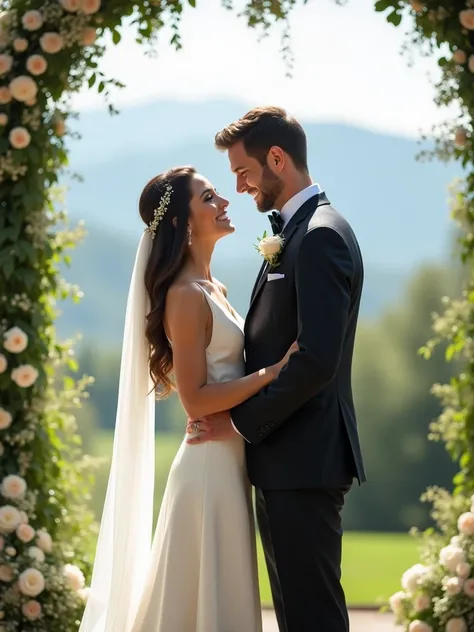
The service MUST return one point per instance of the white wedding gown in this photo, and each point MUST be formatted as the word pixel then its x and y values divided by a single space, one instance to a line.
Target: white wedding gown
pixel 203 568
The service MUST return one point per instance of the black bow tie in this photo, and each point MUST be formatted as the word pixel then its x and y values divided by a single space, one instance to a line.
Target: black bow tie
pixel 276 221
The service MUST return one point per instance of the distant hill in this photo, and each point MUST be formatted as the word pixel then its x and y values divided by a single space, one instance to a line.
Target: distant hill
pixel 396 205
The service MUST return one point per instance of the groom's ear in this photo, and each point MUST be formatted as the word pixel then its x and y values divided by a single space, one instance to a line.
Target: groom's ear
pixel 276 158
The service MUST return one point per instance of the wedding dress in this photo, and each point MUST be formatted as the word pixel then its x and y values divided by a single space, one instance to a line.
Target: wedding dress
pixel 202 575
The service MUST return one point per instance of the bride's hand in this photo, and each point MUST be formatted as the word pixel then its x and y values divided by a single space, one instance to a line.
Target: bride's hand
pixel 284 361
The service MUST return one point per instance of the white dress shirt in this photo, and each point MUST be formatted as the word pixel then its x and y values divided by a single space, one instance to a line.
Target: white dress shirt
pixel 288 210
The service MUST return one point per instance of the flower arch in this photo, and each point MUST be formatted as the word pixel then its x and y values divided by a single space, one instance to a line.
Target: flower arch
pixel 48 50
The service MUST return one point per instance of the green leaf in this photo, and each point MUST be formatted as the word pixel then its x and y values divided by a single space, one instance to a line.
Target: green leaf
pixel 192 3
pixel 116 37
pixel 92 80
pixel 394 18
pixel 383 5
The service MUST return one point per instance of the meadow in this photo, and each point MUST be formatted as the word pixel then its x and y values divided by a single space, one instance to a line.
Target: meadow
pixel 372 562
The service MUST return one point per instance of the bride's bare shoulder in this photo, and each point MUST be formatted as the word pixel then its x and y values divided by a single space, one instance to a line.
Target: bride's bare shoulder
pixel 184 292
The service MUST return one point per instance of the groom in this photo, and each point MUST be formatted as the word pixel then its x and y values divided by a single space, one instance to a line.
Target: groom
pixel 302 446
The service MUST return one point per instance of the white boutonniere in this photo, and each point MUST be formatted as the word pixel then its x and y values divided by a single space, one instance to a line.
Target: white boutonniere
pixel 270 248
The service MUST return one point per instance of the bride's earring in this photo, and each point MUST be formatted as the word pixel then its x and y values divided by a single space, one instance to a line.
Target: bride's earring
pixel 190 236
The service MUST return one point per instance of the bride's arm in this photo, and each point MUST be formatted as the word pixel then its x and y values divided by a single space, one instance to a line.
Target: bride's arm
pixel 188 317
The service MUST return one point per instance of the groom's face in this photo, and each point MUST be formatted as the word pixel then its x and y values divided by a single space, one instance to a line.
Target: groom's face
pixel 259 181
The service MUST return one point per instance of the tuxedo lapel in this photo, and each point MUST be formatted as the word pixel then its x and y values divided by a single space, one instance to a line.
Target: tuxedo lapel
pixel 288 232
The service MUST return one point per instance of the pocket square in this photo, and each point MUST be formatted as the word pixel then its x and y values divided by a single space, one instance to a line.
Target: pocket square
pixel 273 276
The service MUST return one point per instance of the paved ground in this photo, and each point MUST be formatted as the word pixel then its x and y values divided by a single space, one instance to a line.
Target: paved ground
pixel 361 621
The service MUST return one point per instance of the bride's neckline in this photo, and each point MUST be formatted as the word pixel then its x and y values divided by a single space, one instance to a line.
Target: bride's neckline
pixel 228 310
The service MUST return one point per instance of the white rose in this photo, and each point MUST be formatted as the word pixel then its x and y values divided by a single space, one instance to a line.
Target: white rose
pixel 396 602
pixel 36 554
pixel 467 19
pixel 6 63
pixel 6 573
pixel 89 7
pixel 24 375
pixel 419 626
pixel 23 88
pixel 44 541
pixel 5 419
pixel 453 586
pixel 20 44
pixel 3 122
pixel 456 625
pixel 269 246
pixel 421 603
pixel 412 576
pixel 70 5
pixel 456 540
pixel 51 43
pixel 15 340
pixel 13 487
pixel 5 95
pixel 460 138
pixel 31 582
pixel 10 519
pixel 25 533
pixel 466 520
pixel 31 609
pixel 36 65
pixel 88 36
pixel 450 556
pixel 460 57
pixel 463 570
pixel 32 21
pixel 74 576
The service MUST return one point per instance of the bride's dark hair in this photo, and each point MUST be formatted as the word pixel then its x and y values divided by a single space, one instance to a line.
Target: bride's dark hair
pixel 167 256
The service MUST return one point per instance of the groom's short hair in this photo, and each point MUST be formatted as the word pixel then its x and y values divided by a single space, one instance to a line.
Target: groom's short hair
pixel 262 128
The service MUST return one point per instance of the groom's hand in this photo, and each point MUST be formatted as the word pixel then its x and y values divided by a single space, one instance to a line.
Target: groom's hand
pixel 217 427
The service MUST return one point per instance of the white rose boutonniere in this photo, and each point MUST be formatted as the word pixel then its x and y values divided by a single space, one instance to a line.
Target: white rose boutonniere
pixel 270 248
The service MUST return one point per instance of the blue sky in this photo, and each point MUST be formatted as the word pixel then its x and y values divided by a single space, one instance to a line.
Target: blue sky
pixel 348 67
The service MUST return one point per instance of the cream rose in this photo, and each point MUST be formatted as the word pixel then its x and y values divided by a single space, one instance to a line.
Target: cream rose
pixel 36 554
pixel 51 43
pixel 421 603
pixel 456 625
pixel 460 137
pixel 419 626
pixel 6 63
pixel 417 6
pixel 271 245
pixel 411 578
pixel 10 519
pixel 10 551
pixel 15 340
pixel 24 375
pixel 5 95
pixel 23 88
pixel 450 556
pixel 466 523
pixel 32 20
pixel 20 44
pixel 44 541
pixel 469 587
pixel 460 57
pixel 13 487
pixel 6 573
pixel 70 5
pixel 25 533
pixel 453 586
pixel 396 602
pixel 74 576
pixel 467 19
pixel 3 360
pixel 31 609
pixel 19 138
pixel 31 582
pixel 89 7
pixel 88 36
pixel 5 419
pixel 463 570
pixel 36 65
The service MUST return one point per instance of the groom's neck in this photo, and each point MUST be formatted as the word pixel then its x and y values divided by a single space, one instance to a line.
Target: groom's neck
pixel 294 185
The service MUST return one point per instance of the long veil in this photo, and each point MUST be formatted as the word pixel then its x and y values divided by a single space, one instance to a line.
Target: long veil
pixel 124 542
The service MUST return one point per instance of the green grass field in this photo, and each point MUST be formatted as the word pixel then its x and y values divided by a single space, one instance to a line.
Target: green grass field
pixel 372 562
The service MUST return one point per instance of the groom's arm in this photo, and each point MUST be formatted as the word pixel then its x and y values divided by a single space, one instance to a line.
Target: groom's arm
pixel 324 270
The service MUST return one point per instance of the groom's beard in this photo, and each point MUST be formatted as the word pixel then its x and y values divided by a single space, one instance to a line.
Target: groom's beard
pixel 269 191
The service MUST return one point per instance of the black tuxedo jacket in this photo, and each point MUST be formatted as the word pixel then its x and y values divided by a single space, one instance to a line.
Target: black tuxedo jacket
pixel 301 430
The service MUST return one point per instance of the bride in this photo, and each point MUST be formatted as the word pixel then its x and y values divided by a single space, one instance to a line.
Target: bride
pixel 200 573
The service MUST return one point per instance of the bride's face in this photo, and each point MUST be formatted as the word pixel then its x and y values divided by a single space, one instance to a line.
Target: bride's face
pixel 208 211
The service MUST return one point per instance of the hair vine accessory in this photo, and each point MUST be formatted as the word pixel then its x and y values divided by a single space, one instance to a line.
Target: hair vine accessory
pixel 160 211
